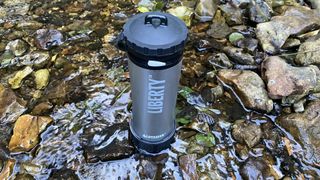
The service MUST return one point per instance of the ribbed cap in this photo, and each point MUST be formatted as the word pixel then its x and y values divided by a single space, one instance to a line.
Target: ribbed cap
pixel 155 34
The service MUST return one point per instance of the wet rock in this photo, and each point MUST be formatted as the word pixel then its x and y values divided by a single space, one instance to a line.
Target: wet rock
pixel 150 5
pixel 48 38
pixel 284 80
pixel 26 132
pixel 7 169
pixel 241 3
pixel 203 45
pixel 234 37
pixel 259 11
pixel 315 4
pixel 238 55
pixel 38 59
pixel 291 42
pixel 106 143
pixel 42 108
pixel 299 106
pixel 219 27
pixel 309 53
pixel 188 166
pixel 220 60
pixel 304 127
pixel 66 90
pixel 149 169
pixel 11 107
pixel 232 14
pixel 296 20
pixel 182 12
pixel 29 24
pixel 7 58
pixel 255 168
pixel 24 177
pixel 66 174
pixel 206 9
pixel 42 78
pixel 18 47
pixel 250 88
pixel 16 80
pixel 246 132
pixel 212 94
pixel 248 44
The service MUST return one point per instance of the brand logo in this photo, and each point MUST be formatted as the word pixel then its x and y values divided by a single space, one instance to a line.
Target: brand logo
pixel 155 95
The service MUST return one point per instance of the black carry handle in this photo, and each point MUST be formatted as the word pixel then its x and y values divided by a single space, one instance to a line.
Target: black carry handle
pixel 120 42
pixel 156 20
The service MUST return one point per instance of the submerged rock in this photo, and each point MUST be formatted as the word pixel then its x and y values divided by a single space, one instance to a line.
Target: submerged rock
pixel 24 177
pixel 7 169
pixel 18 47
pixel 220 60
pixel 42 78
pixel 48 38
pixel 283 80
pixel 11 107
pixel 219 27
pixel 66 174
pixel 246 132
pixel 305 128
pixel 26 132
pixel 291 42
pixel 188 166
pixel 69 89
pixel 296 20
pixel 16 80
pixel 37 59
pixel 256 168
pixel 206 9
pixel 239 55
pixel 249 86
pixel 182 12
pixel 309 53
pixel 106 143
pixel 7 58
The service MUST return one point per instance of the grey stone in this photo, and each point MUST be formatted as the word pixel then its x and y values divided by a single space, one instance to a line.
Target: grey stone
pixel 296 20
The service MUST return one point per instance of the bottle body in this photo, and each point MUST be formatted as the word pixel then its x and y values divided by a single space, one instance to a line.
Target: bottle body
pixel 154 95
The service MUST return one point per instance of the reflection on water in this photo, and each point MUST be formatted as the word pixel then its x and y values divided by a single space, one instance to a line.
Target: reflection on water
pixel 90 95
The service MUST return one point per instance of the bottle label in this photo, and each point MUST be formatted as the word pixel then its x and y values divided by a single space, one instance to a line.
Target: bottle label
pixel 155 95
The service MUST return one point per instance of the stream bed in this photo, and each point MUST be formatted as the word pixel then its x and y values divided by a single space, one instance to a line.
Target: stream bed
pixel 248 102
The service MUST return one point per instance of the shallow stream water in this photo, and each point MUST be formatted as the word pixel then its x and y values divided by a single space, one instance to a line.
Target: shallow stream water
pixel 90 93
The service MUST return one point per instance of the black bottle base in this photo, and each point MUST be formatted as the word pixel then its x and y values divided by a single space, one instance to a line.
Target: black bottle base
pixel 150 148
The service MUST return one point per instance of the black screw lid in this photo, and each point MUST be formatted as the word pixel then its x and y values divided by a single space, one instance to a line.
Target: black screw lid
pixel 155 34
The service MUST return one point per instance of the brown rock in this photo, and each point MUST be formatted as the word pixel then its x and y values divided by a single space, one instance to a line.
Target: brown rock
pixel 246 132
pixel 283 80
pixel 249 86
pixel 26 132
pixel 11 107
pixel 305 128
pixel 188 166
pixel 7 169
